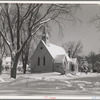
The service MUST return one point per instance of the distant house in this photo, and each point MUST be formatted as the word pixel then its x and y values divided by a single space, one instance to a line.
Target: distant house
pixel 49 57
pixel 6 63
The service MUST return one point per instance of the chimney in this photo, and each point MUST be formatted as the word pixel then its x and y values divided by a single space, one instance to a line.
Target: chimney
pixel 69 52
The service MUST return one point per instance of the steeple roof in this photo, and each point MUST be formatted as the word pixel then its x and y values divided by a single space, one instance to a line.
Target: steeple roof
pixel 45 36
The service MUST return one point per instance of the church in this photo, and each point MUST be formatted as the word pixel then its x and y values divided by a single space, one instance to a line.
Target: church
pixel 48 57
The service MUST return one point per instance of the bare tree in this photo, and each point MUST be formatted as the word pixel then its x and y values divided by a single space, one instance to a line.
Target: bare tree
pixel 74 48
pixel 96 21
pixel 32 17
pixel 2 51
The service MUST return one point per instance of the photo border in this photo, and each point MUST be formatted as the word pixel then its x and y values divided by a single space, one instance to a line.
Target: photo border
pixel 71 97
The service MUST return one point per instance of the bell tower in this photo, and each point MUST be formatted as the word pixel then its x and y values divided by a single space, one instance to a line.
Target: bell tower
pixel 45 36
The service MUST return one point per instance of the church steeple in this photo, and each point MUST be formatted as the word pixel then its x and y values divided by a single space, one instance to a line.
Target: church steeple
pixel 45 36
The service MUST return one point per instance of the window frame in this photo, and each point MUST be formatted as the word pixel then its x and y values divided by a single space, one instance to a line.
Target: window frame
pixel 38 61
pixel 44 61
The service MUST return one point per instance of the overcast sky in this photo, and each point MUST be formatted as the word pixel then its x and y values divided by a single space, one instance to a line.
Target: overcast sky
pixel 84 32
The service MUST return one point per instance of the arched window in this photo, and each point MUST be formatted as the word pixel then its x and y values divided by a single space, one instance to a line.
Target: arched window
pixel 38 61
pixel 44 61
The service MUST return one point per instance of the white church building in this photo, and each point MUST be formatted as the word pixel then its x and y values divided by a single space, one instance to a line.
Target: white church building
pixel 48 57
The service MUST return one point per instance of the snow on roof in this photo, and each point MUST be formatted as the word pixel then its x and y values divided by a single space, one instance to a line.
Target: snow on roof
pixel 59 59
pixel 8 59
pixel 55 50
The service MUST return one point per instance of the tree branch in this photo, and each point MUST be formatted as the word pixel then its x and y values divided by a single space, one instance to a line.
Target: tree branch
pixel 35 17
pixel 9 24
pixel 8 44
pixel 44 15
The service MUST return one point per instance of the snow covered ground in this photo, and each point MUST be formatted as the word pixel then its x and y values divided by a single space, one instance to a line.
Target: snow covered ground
pixel 58 76
pixel 50 83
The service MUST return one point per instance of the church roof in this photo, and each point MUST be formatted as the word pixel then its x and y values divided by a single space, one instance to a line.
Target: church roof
pixel 59 59
pixel 55 50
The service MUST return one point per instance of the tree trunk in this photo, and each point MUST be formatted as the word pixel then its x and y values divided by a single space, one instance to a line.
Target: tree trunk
pixel 14 66
pixel 24 67
pixel 0 66
pixel 24 64
pixel 25 61
pixel 25 54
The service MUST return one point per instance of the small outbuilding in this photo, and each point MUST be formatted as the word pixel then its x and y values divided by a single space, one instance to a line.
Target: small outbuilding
pixel 74 65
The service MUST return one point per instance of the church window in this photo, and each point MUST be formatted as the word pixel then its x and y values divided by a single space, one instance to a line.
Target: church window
pixel 44 61
pixel 38 61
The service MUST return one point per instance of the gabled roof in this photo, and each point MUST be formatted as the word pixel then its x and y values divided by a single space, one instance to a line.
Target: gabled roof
pixel 55 50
